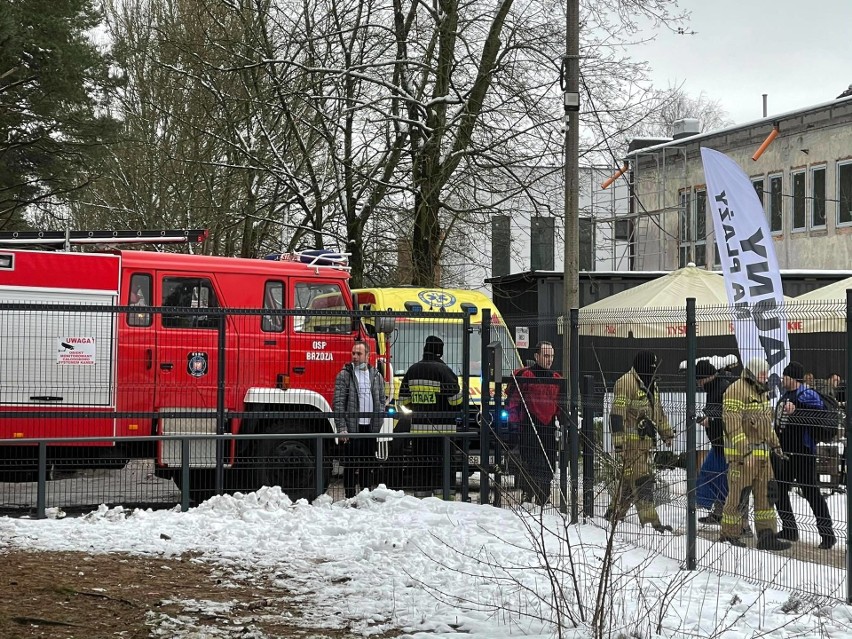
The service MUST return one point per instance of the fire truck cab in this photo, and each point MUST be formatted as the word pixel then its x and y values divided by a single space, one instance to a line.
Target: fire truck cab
pixel 165 362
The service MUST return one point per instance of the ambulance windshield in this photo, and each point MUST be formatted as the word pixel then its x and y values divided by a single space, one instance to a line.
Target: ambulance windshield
pixel 410 337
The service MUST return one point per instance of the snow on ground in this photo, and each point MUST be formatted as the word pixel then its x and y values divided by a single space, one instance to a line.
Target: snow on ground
pixel 435 569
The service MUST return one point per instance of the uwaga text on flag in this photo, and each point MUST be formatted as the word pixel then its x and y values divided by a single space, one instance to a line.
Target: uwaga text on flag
pixel 749 264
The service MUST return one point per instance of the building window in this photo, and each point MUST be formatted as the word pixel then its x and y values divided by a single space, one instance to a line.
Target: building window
pixel 685 229
pixel 844 193
pixel 798 201
pixel 776 204
pixel 693 228
pixel 818 197
pixel 758 188
pixel 700 215
pixel 542 237
pixel 501 245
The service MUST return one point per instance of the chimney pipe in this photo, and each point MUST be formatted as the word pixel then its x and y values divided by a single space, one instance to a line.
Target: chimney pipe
pixel 765 95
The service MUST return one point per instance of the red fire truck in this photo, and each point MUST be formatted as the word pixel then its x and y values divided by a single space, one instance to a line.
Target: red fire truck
pixel 166 361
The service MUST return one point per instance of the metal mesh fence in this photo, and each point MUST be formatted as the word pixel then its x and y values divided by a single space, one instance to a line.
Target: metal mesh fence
pixel 164 387
pixel 206 400
pixel 813 521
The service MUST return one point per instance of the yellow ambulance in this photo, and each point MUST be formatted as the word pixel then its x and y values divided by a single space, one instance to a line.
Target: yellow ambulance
pixel 428 308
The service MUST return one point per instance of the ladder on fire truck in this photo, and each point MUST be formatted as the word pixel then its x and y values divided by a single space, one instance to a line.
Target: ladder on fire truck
pixel 314 257
pixel 68 238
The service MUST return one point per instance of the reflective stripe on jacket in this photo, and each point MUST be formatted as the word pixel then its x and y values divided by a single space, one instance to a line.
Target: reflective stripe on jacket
pixel 633 402
pixel 748 420
pixel 431 386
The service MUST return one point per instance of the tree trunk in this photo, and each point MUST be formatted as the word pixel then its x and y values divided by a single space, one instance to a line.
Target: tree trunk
pixel 426 238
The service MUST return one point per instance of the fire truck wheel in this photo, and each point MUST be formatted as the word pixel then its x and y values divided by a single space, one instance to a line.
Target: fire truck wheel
pixel 290 464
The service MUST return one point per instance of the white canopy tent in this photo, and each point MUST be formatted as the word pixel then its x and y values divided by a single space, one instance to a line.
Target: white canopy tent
pixel 832 292
pixel 658 308
pixel 825 307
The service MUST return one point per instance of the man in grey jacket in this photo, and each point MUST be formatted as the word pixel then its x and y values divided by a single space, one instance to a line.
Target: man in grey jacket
pixel 359 404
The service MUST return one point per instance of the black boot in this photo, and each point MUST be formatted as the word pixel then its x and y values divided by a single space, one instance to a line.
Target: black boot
pixel 734 541
pixel 826 532
pixel 767 540
pixel 788 534
pixel 828 542
pixel 715 515
pixel 712 519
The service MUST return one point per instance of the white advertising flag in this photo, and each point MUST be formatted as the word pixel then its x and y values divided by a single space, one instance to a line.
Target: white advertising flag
pixel 747 253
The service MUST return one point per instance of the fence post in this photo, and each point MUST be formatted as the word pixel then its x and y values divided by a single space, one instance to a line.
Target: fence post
pixel 465 487
pixel 691 453
pixel 589 436
pixel 847 451
pixel 220 403
pixel 320 462
pixel 496 359
pixel 446 468
pixel 574 376
pixel 41 488
pixel 465 461
pixel 184 470
pixel 485 407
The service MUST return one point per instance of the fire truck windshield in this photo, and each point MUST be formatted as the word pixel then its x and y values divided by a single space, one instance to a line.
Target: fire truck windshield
pixel 410 337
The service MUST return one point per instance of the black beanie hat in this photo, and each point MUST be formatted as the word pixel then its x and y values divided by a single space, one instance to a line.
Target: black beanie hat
pixel 645 363
pixel 795 370
pixel 434 346
pixel 703 369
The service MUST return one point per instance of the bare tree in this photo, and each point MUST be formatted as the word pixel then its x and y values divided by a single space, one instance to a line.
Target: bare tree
pixel 354 124
pixel 675 104
pixel 252 118
pixel 488 101
pixel 197 141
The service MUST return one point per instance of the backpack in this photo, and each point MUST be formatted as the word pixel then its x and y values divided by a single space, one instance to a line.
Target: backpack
pixel 827 424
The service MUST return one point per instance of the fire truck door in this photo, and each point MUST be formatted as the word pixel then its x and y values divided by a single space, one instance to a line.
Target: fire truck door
pixel 185 362
pixel 319 344
pixel 136 352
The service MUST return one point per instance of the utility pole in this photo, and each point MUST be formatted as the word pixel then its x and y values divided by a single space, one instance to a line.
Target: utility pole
pixel 570 83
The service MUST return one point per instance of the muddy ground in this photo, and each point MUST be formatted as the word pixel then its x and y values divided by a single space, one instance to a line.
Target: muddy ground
pixel 71 595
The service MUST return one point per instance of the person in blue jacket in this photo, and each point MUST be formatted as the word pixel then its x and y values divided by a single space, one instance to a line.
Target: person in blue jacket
pixel 712 480
pixel 798 408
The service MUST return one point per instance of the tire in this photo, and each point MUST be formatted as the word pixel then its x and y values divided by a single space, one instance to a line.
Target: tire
pixel 290 463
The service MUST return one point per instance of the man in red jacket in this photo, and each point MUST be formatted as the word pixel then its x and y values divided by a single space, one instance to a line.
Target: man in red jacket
pixel 533 402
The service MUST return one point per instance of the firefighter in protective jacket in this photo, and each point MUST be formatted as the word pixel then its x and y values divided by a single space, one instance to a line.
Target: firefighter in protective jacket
pixel 430 386
pixel 636 420
pixel 749 440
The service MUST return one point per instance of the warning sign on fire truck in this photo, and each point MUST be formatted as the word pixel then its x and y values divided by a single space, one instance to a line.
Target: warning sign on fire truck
pixel 75 351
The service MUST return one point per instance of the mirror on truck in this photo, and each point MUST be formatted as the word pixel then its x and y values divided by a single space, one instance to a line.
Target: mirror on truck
pixel 385 324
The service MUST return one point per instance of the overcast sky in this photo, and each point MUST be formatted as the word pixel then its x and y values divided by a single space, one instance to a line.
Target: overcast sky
pixel 796 52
